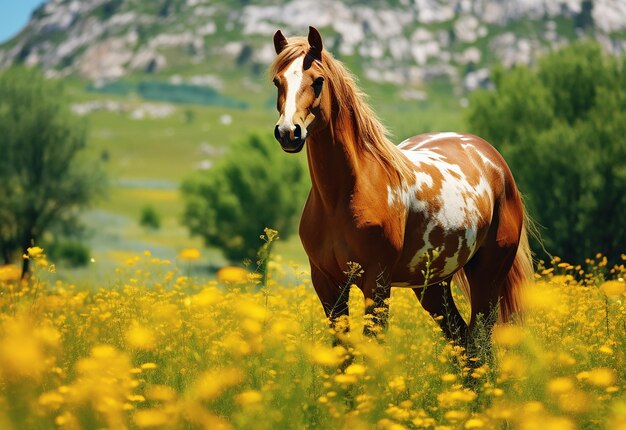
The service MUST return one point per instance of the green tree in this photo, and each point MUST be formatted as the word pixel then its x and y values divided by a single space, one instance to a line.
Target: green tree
pixel 45 177
pixel 255 186
pixel 562 128
pixel 150 218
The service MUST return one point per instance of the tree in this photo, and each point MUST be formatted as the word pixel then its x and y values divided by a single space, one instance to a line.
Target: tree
pixel 255 186
pixel 150 218
pixel 562 128
pixel 45 176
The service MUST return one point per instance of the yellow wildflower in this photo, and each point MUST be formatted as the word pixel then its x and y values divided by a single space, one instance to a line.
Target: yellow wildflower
pixel 248 397
pixel 474 423
pixel 35 251
pixel 232 275
pixel 560 385
pixel 613 288
pixel 601 377
pixel 189 254
pixel 140 337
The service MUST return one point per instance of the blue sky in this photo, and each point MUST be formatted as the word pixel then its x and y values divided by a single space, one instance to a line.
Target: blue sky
pixel 14 14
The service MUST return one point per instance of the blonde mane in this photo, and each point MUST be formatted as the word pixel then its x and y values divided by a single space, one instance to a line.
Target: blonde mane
pixel 371 134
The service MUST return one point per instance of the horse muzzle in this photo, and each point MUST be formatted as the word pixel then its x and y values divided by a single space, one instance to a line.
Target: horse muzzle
pixel 289 144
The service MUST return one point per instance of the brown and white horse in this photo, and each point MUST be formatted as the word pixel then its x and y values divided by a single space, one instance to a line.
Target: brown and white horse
pixel 436 206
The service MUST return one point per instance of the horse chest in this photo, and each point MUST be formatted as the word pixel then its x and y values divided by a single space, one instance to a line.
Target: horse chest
pixel 332 239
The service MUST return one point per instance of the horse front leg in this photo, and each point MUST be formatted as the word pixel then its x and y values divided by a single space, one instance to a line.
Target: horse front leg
pixel 377 290
pixel 334 299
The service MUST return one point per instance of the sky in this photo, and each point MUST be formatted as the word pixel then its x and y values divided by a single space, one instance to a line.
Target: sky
pixel 14 14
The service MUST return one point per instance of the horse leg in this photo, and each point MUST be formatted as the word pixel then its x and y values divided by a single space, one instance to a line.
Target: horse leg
pixel 376 290
pixel 489 275
pixel 438 302
pixel 334 300
pixel 485 273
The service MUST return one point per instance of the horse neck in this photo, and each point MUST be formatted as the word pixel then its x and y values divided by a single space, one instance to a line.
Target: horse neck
pixel 334 163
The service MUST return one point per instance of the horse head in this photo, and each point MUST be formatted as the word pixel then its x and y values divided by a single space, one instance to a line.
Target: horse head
pixel 303 102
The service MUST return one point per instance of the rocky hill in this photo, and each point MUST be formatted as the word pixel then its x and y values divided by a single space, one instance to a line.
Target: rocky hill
pixel 404 42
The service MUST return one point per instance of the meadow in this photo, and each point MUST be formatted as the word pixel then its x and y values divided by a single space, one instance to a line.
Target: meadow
pixel 158 349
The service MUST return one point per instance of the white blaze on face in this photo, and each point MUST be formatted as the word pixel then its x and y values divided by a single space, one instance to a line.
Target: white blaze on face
pixel 293 76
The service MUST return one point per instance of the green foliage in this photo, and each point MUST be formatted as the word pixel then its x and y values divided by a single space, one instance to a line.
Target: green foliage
pixel 562 129
pixel 255 186
pixel 44 177
pixel 164 91
pixel 71 252
pixel 150 218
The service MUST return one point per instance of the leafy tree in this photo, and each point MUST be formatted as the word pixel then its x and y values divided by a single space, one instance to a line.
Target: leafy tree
pixel 45 177
pixel 150 218
pixel 562 128
pixel 255 186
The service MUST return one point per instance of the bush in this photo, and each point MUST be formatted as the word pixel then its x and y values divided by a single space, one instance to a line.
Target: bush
pixel 72 253
pixel 150 218
pixel 255 186
pixel 562 129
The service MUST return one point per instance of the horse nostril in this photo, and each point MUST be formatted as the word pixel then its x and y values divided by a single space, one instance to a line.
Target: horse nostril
pixel 297 133
pixel 276 133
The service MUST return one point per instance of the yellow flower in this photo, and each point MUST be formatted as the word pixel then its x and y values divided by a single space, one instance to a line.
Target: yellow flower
pixel 189 254
pixel 455 415
pixel 397 384
pixel 325 356
pixel 560 385
pixel 601 377
pixel 232 275
pixel 507 335
pixel 151 418
pixel 355 369
pixel 613 288
pixel 474 423
pixel 344 379
pixel 455 397
pixel 248 397
pixel 10 272
pixel 210 385
pixel 141 337
pixel 35 251
pixel 448 377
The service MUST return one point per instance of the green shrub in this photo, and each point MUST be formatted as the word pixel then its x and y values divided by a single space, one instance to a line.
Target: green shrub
pixel 150 218
pixel 562 129
pixel 255 186
pixel 71 252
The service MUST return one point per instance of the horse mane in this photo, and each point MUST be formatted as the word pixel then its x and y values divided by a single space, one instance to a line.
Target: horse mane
pixel 371 135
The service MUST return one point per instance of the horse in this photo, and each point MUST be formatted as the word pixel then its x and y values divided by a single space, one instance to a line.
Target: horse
pixel 437 206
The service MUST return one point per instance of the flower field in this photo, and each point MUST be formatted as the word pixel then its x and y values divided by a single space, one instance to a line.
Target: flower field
pixel 159 350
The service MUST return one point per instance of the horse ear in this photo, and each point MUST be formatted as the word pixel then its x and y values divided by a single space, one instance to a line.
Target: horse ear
pixel 315 40
pixel 279 41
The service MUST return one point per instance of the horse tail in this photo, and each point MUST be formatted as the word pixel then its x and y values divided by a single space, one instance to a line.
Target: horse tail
pixel 520 274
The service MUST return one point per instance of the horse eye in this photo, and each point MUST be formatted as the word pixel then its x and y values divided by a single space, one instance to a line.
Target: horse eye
pixel 317 86
pixel 275 80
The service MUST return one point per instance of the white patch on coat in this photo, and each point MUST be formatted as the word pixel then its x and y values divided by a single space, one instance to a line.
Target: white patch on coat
pixel 459 203
pixel 431 138
pixel 405 193
pixel 483 157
